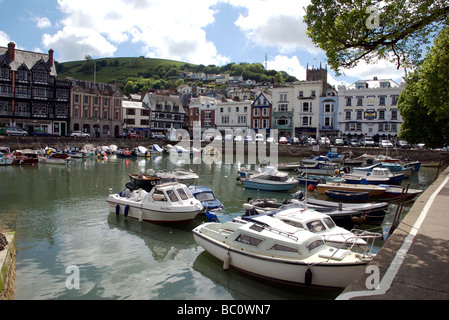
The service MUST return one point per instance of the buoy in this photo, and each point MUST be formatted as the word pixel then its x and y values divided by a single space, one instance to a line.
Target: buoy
pixel 126 210
pixel 117 209
pixel 226 261
pixel 308 277
pixel 310 187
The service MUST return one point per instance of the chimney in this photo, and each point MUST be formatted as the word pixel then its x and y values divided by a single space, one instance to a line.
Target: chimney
pixel 11 51
pixel 50 58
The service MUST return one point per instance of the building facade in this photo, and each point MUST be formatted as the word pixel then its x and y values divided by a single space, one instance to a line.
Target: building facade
pixel 235 115
pixel 261 113
pixel 166 112
pixel 202 109
pixel 30 95
pixel 369 108
pixel 96 108
pixel 136 118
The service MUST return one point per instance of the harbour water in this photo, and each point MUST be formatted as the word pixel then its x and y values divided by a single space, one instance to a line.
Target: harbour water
pixel 64 228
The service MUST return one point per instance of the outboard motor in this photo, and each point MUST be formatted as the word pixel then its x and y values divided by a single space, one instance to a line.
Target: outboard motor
pixel 130 185
pixel 299 195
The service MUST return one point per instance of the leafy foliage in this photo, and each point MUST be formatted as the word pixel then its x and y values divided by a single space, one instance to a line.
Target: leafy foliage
pixel 350 31
pixel 424 103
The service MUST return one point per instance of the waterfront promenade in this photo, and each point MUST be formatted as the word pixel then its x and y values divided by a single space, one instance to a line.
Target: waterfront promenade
pixel 413 264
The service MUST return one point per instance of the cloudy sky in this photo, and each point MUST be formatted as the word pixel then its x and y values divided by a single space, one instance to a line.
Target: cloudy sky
pixel 196 31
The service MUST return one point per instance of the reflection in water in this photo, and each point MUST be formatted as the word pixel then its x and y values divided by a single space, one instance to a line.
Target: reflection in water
pixel 61 219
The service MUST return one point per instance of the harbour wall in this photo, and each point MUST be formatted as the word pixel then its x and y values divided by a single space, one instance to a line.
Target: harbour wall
pixel 8 267
pixel 284 150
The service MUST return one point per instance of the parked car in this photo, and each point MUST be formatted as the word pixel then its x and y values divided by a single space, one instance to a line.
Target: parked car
pixel 40 133
pixel 386 144
pixel 249 138
pixel 79 134
pixel 135 135
pixel 270 139
pixel 403 144
pixel 16 131
pixel 339 142
pixel 324 141
pixel 157 136
pixel 367 142
pixel 311 141
pixel 259 137
pixel 354 143
pixel 238 138
pixel 228 137
pixel 283 140
pixel 295 140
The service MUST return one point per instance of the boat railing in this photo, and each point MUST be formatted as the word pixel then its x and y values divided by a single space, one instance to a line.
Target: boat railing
pixel 364 249
pixel 275 230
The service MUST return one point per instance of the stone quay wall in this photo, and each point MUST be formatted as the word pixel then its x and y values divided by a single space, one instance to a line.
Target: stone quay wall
pixel 8 268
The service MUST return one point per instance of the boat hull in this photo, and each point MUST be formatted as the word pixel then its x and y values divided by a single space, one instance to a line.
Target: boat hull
pixel 162 214
pixel 287 271
pixel 269 186
pixel 373 191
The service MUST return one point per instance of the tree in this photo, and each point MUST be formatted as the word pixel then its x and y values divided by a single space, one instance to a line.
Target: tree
pixel 424 102
pixel 367 30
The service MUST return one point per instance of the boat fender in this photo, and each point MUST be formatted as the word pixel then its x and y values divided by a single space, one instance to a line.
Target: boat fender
pixel 117 209
pixel 308 277
pixel 126 211
pixel 226 261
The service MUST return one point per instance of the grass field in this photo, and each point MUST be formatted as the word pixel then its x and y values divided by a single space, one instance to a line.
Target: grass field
pixel 111 69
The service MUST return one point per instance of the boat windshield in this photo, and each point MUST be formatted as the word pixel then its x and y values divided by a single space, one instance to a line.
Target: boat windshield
pixel 172 196
pixel 316 226
pixel 205 196
pixel 329 222
pixel 182 193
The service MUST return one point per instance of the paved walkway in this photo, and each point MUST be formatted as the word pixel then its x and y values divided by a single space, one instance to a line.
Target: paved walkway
pixel 413 264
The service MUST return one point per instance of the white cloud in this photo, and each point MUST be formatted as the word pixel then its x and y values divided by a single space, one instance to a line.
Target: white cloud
pixel 165 29
pixel 42 22
pixel 290 65
pixel 269 23
pixel 4 38
pixel 382 70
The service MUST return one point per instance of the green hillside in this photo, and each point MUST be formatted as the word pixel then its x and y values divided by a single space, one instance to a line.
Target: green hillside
pixel 135 75
pixel 110 70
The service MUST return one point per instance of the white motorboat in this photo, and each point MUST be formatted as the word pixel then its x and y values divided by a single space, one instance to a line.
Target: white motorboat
pixel 323 168
pixel 6 157
pixel 300 216
pixel 281 252
pixel 269 179
pixel 180 175
pixel 143 152
pixel 61 159
pixel 167 202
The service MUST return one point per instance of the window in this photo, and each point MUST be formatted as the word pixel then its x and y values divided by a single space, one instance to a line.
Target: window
pixel 256 123
pixel 307 107
pixel 359 101
pixel 86 100
pixel 394 114
pixel 315 244
pixel 328 107
pixel 359 114
pixel 172 196
pixel 348 115
pixel 348 101
pixel 382 100
pixel 241 119
pixel 243 238
pixel 381 114
pixel 281 247
pixel 283 107
pixel 283 97
pixel 225 119
pixel 394 100
pixel 316 226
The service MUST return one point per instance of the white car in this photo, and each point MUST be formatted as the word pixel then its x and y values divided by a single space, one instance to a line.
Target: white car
pixel 238 138
pixel 16 131
pixel 79 134
pixel 260 137
pixel 270 139
pixel 386 144
pixel 228 137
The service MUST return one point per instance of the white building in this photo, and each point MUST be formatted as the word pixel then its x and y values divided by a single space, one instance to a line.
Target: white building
pixel 369 108
pixel 233 115
pixel 136 117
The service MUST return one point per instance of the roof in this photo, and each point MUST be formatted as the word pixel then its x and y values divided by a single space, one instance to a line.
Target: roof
pixel 27 58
